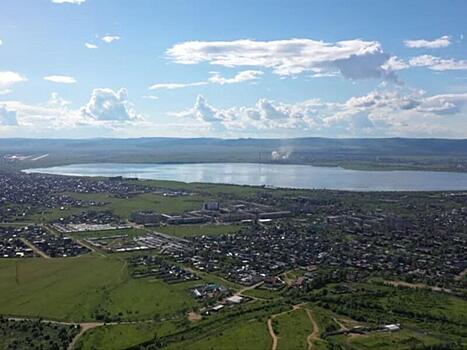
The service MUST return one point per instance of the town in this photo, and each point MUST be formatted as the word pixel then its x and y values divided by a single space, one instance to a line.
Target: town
pixel 229 250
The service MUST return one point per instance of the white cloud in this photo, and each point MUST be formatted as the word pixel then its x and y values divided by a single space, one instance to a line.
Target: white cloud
pixel 151 97
pixel 379 113
pixel 240 77
pixel 354 59
pixel 395 63
pixel 57 101
pixel 106 113
pixel 8 78
pixel 444 41
pixel 110 38
pixel 216 78
pixel 79 2
pixel 173 86
pixel 60 79
pixel 437 63
pixel 1 42
pixel 7 117
pixel 53 114
pixel 91 46
pixel 109 105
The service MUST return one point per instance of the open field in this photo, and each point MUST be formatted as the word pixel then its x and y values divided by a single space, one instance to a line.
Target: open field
pixel 122 336
pixel 130 232
pixel 247 334
pixel 293 328
pixel 403 340
pixel 85 289
pixel 124 207
pixel 198 230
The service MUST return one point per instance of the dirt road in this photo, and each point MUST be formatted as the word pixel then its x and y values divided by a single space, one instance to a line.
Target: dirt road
pixel 35 249
pixel 273 335
pixel 315 332
pixel 84 328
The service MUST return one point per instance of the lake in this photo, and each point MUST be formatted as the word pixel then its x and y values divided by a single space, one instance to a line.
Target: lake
pixel 278 175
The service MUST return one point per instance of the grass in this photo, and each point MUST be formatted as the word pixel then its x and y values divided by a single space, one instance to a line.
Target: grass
pixel 143 299
pixel 131 232
pixel 64 289
pixel 156 202
pixel 262 293
pixel 80 289
pixel 403 340
pixel 293 329
pixel 248 334
pixel 199 230
pixel 123 336
pixel 324 319
pixel 124 207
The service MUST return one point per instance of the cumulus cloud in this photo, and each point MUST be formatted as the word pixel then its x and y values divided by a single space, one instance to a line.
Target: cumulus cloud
pixel 445 104
pixel 79 2
pixel 91 46
pixel 7 117
pixel 7 79
pixel 354 59
pixel 379 113
pixel 108 112
pixel 444 41
pixel 395 63
pixel 110 38
pixel 437 63
pixel 60 79
pixel 109 105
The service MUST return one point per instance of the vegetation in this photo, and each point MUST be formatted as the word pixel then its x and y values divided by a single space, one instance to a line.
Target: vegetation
pixel 123 336
pixel 198 230
pixel 25 335
pixel 293 328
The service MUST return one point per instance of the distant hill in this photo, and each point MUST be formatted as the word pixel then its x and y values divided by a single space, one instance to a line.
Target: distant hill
pixel 384 153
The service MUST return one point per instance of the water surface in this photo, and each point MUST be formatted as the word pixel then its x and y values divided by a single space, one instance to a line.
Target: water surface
pixel 279 175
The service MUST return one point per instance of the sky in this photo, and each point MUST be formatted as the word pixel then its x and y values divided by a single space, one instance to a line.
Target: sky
pixel 225 68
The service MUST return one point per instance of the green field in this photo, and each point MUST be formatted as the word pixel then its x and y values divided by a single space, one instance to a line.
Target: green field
pixel 246 334
pixel 292 329
pixel 403 340
pixel 124 207
pixel 130 232
pixel 198 230
pixel 85 289
pixel 122 336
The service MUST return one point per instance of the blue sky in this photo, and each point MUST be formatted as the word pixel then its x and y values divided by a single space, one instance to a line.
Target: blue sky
pixel 127 68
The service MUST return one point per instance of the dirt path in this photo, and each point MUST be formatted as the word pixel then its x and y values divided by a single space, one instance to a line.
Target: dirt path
pixel 90 247
pixel 254 286
pixel 84 328
pixel 35 249
pixel 273 335
pixel 461 276
pixel 417 286
pixel 315 332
